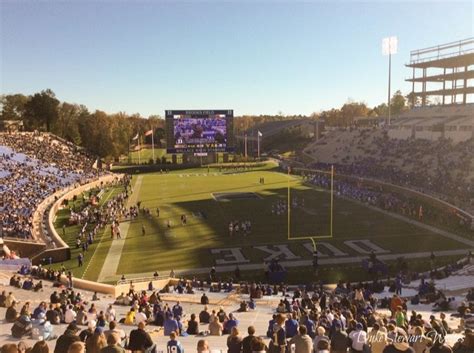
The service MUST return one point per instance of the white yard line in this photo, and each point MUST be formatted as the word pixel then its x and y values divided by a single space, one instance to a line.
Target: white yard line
pixel 112 260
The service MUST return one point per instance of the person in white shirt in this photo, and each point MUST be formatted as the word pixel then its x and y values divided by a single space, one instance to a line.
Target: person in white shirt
pixel 358 338
pixel 140 317
pixel 69 315
pixel 110 314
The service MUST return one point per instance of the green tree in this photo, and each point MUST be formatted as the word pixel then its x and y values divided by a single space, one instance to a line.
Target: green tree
pixel 351 110
pixel 67 125
pixel 13 106
pixel 398 103
pixel 42 110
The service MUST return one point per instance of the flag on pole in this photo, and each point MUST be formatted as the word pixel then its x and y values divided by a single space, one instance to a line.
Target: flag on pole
pixel 260 134
pixel 149 132
pixel 136 137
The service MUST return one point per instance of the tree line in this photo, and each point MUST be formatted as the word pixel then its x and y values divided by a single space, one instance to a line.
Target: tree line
pixel 110 135
pixel 105 135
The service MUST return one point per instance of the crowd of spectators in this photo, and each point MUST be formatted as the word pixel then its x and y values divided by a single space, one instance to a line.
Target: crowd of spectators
pixel 311 319
pixel 387 200
pixel 32 167
pixel 441 167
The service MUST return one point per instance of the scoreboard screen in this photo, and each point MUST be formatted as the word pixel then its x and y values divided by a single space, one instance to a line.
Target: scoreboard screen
pixel 199 131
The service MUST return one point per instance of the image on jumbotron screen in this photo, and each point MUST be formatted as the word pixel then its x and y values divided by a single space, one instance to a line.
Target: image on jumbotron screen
pixel 198 131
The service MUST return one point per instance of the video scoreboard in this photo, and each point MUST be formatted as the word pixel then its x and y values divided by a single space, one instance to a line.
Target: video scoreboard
pixel 199 131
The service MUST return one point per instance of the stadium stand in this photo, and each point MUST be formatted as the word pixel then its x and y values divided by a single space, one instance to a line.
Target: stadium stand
pixel 377 317
pixel 34 166
pixel 432 123
pixel 441 167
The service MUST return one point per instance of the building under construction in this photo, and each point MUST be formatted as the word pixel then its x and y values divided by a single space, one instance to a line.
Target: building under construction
pixel 443 74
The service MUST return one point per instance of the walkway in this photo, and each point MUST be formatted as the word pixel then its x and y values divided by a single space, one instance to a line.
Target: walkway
pixel 112 260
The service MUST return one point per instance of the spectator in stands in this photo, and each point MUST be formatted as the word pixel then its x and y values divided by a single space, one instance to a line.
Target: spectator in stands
pixel 67 339
pixel 278 339
pixel 89 331
pixel 139 339
pixel 339 340
pixel 11 314
pixel 3 298
pixel 173 345
pixel 22 327
pixel 202 346
pixel 230 323
pixel 466 344
pixel 301 341
pixel 204 299
pixel 291 326
pixel 113 329
pixel 170 324
pixel 69 315
pixel 97 341
pixel 421 343
pixel 193 326
pixel 258 346
pixel 77 347
pixel 177 310
pixel 9 348
pixel 130 317
pixel 40 347
pixel 215 327
pixel 376 338
pixel 234 341
pixel 247 341
pixel 358 338
pixel 204 316
pixel 113 344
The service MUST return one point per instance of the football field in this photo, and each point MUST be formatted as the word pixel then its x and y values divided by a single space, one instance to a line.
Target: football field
pixel 210 200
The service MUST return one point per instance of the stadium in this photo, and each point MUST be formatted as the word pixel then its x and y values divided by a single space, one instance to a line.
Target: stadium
pixel 347 230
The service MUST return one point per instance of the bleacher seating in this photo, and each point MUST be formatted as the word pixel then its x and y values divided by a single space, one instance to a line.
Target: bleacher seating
pixel 34 166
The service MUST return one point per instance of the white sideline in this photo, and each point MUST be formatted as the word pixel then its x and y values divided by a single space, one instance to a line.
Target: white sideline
pixel 112 260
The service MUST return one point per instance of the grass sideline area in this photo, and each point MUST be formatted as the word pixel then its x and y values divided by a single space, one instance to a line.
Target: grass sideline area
pixel 95 256
pixel 192 192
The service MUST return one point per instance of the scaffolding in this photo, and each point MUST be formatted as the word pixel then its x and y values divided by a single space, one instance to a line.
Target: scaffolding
pixel 443 71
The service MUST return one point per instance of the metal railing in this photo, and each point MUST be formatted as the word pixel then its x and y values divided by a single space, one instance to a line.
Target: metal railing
pixel 142 279
pixel 464 46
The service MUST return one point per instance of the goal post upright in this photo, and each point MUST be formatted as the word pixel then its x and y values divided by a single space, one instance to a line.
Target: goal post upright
pixel 313 238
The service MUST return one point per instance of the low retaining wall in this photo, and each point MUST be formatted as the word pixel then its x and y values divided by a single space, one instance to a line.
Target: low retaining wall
pixel 24 248
pixel 142 285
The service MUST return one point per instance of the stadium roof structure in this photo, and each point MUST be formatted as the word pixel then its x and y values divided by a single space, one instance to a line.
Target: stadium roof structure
pixel 452 64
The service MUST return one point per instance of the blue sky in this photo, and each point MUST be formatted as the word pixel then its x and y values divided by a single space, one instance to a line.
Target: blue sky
pixel 253 57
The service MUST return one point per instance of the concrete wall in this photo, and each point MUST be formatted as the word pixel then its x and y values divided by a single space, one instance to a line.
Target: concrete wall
pixel 24 248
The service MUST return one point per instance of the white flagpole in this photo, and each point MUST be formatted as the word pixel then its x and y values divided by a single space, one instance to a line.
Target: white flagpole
pixel 258 145
pixel 245 139
pixel 139 155
pixel 153 145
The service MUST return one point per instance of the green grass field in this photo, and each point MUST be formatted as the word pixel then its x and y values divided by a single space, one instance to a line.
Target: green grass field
pixel 189 246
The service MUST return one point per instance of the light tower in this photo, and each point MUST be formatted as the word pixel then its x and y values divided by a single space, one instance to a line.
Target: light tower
pixel 389 47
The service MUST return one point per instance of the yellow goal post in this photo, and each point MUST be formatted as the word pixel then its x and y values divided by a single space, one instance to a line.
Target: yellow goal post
pixel 315 237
